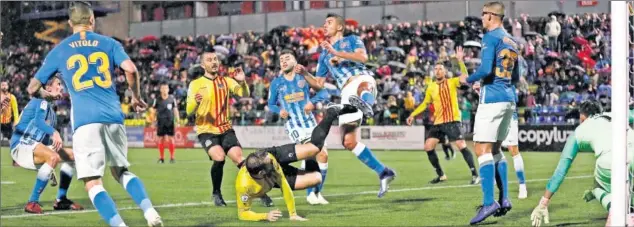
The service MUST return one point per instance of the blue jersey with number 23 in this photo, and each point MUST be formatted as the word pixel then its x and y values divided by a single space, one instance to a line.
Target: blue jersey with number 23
pixel 86 61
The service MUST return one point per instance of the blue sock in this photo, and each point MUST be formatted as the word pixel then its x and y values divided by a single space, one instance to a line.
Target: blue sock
pixel 105 206
pixel 323 167
pixel 66 176
pixel 368 97
pixel 487 174
pixel 43 174
pixel 364 154
pixel 518 163
pixel 309 190
pixel 136 190
pixel 501 171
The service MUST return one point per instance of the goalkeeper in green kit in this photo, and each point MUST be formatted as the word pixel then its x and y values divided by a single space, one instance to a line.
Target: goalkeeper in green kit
pixel 587 139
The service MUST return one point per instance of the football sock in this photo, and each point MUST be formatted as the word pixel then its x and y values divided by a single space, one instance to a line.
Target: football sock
pixel 604 197
pixel 323 167
pixel 487 173
pixel 66 176
pixel 468 157
pixel 518 164
pixel 133 185
pixel 433 159
pixel 216 175
pixel 501 175
pixel 105 206
pixel 320 132
pixel 171 148
pixel 368 97
pixel 161 148
pixel 43 174
pixel 447 148
pixel 366 156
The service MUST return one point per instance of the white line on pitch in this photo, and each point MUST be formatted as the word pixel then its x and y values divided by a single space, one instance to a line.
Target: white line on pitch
pixel 277 198
pixel 7 182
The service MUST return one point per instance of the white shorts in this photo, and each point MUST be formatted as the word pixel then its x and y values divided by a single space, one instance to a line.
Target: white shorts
pixel 511 138
pixel 95 143
pixel 23 154
pixel 351 89
pixel 492 121
pixel 299 135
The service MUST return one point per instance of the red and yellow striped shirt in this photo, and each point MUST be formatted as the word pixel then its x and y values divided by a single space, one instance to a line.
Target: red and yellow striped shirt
pixel 444 98
pixel 11 112
pixel 213 115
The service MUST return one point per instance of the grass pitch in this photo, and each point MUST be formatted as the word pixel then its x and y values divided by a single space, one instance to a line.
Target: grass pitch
pixel 181 193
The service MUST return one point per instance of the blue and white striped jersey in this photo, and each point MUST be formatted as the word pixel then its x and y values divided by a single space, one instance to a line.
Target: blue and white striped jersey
pixel 36 124
pixel 346 68
pixel 292 96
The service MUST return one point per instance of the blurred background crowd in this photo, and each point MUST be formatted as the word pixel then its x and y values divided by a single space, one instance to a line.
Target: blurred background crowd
pixel 566 60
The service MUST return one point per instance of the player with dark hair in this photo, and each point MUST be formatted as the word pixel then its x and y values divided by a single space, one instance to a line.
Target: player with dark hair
pixel 586 139
pixel 36 145
pixel 86 61
pixel 208 98
pixel 343 58
pixel 443 94
pixel 9 114
pixel 498 72
pixel 167 117
pixel 268 168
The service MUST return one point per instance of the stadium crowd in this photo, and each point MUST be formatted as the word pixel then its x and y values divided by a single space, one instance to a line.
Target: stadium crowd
pixel 566 61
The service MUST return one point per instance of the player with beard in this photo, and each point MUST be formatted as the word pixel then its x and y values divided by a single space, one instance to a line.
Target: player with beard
pixel 208 98
pixel 9 115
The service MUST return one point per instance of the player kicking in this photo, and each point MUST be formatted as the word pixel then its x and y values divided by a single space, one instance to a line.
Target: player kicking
pixel 270 167
pixel 586 139
pixel 36 145
pixel 497 104
pixel 292 93
pixel 343 58
pixel 443 94
pixel 208 98
pixel 86 62
pixel 167 114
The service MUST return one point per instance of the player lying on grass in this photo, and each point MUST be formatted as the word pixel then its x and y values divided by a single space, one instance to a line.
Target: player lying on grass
pixel 270 167
pixel 36 145
pixel 586 139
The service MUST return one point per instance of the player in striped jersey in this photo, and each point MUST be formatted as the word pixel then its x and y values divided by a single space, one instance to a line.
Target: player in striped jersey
pixel 208 98
pixel 291 92
pixel 443 94
pixel 343 57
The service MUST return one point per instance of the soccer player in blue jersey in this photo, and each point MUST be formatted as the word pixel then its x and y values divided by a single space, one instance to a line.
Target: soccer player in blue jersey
pixel 291 92
pixel 495 111
pixel 36 145
pixel 343 58
pixel 86 61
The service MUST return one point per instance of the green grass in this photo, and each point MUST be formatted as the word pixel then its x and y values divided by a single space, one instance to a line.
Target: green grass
pixel 182 193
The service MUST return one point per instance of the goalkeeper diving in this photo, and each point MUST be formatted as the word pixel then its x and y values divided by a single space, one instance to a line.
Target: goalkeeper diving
pixel 586 139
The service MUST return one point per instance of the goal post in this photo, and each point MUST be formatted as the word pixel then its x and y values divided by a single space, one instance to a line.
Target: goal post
pixel 620 103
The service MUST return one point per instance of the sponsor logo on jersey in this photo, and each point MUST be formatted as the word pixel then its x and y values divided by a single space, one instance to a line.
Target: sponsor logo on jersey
pixel 544 136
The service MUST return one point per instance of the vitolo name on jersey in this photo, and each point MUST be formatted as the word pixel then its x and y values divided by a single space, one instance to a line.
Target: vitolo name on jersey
pixel 544 137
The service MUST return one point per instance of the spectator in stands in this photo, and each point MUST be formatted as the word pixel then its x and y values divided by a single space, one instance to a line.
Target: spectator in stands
pixel 553 30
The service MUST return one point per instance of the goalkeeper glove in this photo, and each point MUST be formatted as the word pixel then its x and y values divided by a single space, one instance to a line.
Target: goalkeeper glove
pixel 540 213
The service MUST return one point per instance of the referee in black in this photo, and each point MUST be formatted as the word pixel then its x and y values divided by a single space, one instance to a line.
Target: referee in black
pixel 166 117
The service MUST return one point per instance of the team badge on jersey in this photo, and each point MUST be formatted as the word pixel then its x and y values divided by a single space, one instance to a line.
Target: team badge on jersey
pixel 343 44
pixel 301 83
pixel 244 198
pixel 169 106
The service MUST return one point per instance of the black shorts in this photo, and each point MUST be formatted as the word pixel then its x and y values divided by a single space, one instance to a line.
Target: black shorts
pixel 165 128
pixel 227 140
pixel 285 155
pixel 451 130
pixel 7 130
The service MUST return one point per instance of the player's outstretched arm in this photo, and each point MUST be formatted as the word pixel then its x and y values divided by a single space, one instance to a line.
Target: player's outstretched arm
pixel 287 193
pixel 192 102
pixel 420 107
pixel 14 110
pixel 315 82
pixel 244 207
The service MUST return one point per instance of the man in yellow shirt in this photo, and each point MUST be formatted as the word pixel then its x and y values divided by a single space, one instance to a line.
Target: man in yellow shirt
pixel 208 97
pixel 9 115
pixel 443 94
pixel 270 168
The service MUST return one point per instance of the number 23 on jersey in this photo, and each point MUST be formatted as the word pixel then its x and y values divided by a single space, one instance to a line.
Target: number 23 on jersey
pixel 82 62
